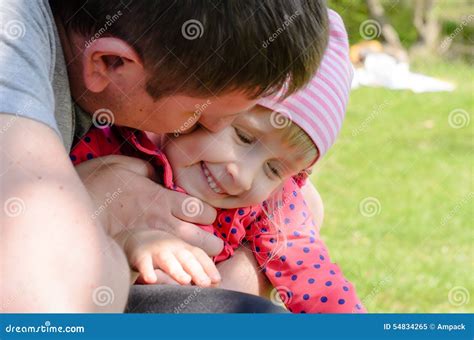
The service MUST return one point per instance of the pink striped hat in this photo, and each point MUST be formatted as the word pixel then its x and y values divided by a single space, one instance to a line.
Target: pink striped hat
pixel 320 107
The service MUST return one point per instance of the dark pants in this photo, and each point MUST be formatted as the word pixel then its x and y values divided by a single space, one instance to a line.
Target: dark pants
pixel 180 299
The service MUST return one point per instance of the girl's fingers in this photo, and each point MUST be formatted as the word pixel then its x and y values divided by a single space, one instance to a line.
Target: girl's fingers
pixel 208 265
pixel 193 267
pixel 171 266
pixel 162 279
pixel 145 267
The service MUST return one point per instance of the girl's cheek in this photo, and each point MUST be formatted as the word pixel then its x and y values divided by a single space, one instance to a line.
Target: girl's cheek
pixel 262 190
pixel 188 145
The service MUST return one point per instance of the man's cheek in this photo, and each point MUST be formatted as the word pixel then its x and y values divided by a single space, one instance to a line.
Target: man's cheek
pixel 187 128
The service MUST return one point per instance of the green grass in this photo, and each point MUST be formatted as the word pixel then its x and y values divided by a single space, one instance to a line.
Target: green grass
pixel 399 148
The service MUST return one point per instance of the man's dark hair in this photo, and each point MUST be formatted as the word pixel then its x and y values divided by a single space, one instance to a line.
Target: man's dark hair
pixel 202 47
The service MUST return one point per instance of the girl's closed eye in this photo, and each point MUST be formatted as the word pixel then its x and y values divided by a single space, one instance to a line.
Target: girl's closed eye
pixel 274 173
pixel 243 136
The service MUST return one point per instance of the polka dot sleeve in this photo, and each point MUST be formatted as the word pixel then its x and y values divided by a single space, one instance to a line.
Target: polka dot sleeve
pixel 95 143
pixel 296 260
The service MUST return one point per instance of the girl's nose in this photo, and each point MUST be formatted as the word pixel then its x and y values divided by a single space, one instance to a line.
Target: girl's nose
pixel 242 177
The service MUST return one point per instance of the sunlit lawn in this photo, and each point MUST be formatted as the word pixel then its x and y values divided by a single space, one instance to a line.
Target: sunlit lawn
pixel 398 149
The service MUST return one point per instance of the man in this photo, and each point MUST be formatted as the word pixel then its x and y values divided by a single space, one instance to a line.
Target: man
pixel 150 65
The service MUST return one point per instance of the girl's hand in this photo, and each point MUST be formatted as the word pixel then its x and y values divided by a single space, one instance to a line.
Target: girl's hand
pixel 162 279
pixel 148 250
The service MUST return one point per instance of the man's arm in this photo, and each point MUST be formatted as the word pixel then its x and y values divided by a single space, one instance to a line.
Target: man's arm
pixel 55 257
pixel 242 273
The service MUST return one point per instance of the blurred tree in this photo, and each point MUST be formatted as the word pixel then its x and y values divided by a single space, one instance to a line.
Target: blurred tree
pixel 439 27
pixel 399 13
pixel 389 34
pixel 427 25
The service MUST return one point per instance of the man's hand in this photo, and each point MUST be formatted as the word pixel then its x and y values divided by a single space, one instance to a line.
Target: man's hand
pixel 148 250
pixel 126 197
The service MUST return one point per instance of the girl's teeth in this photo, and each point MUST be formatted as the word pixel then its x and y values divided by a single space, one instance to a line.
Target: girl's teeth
pixel 210 181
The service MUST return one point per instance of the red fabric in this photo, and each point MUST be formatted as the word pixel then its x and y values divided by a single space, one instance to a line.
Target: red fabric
pixel 287 245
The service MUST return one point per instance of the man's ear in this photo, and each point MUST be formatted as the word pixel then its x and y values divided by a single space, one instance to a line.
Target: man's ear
pixel 105 56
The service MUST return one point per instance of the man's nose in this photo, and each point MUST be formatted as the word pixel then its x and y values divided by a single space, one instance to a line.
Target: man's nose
pixel 217 124
pixel 242 177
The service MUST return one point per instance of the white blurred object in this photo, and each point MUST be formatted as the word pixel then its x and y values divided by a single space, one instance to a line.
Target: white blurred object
pixel 382 70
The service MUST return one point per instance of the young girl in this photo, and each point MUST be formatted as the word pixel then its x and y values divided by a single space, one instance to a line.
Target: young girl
pixel 251 172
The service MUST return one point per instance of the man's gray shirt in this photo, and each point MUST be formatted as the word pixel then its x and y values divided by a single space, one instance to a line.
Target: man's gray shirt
pixel 33 73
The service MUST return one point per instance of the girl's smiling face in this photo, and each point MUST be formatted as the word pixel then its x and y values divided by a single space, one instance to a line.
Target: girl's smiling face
pixel 238 166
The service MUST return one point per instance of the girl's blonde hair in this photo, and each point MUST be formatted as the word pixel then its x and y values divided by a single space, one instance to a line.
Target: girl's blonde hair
pixel 298 139
pixel 304 147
